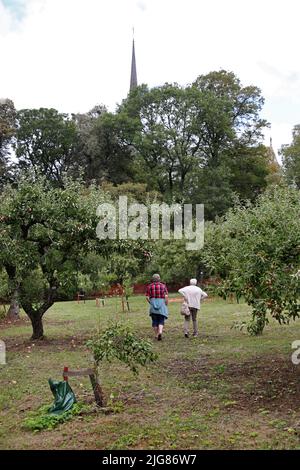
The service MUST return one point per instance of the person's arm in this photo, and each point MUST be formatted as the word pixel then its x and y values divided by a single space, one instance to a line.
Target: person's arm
pixel 182 292
pixel 204 295
pixel 148 294
pixel 166 295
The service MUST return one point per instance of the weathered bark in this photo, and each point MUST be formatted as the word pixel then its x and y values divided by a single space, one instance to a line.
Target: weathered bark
pixel 98 392
pixel 37 327
pixel 36 314
pixel 14 309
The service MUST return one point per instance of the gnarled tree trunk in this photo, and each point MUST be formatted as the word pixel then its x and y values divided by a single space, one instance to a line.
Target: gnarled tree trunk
pixel 37 327
pixel 36 314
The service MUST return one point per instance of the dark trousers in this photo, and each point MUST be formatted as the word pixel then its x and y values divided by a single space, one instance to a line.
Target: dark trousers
pixel 194 319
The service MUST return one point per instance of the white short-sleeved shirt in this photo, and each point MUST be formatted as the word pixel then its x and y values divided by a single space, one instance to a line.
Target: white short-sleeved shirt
pixel 193 294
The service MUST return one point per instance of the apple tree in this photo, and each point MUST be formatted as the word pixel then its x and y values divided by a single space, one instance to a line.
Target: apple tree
pixel 255 249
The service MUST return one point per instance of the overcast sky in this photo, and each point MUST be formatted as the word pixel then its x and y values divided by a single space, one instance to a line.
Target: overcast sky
pixel 73 54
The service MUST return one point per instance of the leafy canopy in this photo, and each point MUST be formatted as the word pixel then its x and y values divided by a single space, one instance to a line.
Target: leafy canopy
pixel 256 251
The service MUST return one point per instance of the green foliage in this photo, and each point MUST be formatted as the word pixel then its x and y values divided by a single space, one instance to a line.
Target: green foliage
pixel 4 285
pixel 114 405
pixel 41 420
pixel 84 282
pixel 127 284
pixel 34 286
pixel 119 342
pixel 136 192
pixel 43 230
pixel 7 134
pixel 291 159
pixel 7 120
pixel 46 233
pixel 183 134
pixel 250 169
pixel 212 187
pixel 174 263
pixel 195 143
pixel 45 142
pixel 255 249
pixel 120 267
pixel 2 312
pixel 100 272
pixel 100 151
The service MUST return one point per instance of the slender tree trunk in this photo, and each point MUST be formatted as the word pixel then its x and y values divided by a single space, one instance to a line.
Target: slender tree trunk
pixel 170 182
pixel 14 309
pixel 97 389
pixel 182 181
pixel 37 327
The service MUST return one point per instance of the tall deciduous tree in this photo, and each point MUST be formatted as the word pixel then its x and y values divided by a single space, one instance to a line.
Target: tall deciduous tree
pixel 164 133
pixel 45 142
pixel 101 153
pixel 85 159
pixel 291 159
pixel 237 105
pixel 176 131
pixel 7 132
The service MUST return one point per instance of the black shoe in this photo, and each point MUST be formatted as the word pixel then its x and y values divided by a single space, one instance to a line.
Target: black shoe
pixel 159 338
pixel 186 335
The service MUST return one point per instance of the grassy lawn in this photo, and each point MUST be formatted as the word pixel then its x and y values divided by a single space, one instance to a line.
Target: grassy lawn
pixel 223 390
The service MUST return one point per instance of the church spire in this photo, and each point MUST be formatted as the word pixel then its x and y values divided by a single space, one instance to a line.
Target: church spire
pixel 133 77
pixel 272 155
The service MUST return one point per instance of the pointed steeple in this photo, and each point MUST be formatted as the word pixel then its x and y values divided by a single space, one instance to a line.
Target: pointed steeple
pixel 133 77
pixel 272 155
pixel 272 159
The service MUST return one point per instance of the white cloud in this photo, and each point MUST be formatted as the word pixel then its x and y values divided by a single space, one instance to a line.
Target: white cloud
pixel 5 20
pixel 141 5
pixel 72 54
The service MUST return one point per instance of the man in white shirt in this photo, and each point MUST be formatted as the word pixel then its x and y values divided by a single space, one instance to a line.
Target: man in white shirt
pixel 192 295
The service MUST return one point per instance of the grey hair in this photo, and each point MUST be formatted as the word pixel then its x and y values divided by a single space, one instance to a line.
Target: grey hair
pixel 193 282
pixel 156 277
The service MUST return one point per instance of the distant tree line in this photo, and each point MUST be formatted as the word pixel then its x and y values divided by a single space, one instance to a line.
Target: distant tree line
pixel 201 143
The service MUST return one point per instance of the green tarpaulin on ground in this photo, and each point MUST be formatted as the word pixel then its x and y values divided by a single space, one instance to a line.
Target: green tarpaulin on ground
pixel 64 397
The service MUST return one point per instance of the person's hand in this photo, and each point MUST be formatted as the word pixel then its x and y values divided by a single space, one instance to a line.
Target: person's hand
pixel 166 300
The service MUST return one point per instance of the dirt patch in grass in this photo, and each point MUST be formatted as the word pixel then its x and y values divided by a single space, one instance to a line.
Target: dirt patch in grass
pixel 259 384
pixel 66 343
pixel 5 323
